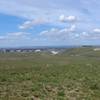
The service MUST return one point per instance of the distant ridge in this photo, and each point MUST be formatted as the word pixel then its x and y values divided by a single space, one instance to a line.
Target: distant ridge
pixel 37 47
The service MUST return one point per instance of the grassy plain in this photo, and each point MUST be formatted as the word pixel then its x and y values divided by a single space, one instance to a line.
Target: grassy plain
pixel 71 75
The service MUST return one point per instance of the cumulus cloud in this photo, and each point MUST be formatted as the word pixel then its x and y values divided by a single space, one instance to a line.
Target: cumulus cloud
pixel 59 34
pixel 50 33
pixel 94 34
pixel 64 18
pixel 96 30
pixel 70 33
pixel 85 34
pixel 51 9
pixel 72 28
pixel 29 24
pixel 82 11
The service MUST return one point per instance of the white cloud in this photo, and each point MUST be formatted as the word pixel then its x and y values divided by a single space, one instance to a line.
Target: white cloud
pixel 50 33
pixel 58 34
pixel 85 34
pixel 84 12
pixel 70 33
pixel 71 18
pixel 77 35
pixel 96 30
pixel 64 18
pixel 31 9
pixel 16 36
pixel 26 25
pixel 90 35
pixel 35 8
pixel 72 28
pixel 29 24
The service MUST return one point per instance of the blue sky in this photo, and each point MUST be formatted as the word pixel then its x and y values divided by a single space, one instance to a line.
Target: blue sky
pixel 49 22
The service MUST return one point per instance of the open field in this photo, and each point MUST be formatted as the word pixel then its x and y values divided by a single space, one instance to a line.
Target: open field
pixel 71 75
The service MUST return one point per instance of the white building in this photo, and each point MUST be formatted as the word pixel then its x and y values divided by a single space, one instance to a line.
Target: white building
pixel 54 52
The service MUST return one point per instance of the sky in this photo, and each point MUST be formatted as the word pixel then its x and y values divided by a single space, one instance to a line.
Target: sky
pixel 49 22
